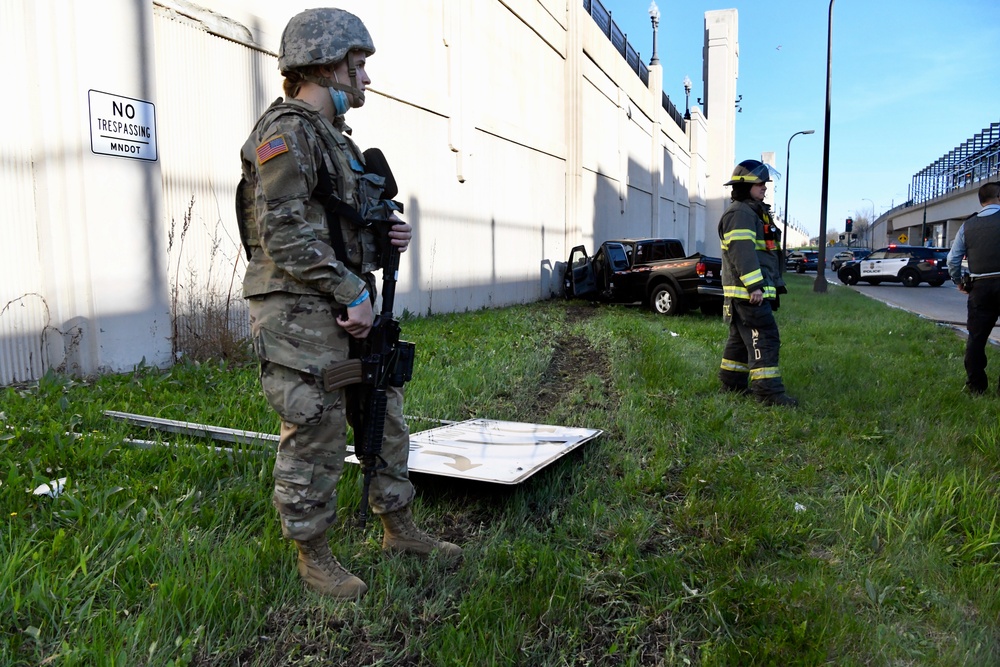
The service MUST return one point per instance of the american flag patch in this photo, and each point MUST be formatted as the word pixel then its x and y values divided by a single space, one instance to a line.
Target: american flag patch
pixel 269 149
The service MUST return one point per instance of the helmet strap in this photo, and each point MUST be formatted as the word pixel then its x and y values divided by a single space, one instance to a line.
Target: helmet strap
pixel 359 96
pixel 352 73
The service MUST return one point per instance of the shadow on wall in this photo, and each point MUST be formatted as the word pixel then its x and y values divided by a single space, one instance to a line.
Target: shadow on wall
pixel 28 355
pixel 64 349
pixel 633 216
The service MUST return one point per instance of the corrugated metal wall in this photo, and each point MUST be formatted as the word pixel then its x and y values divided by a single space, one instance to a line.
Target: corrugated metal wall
pixel 24 316
pixel 205 111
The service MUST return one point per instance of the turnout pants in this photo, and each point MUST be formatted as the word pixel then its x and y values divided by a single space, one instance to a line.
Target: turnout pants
pixel 750 357
pixel 983 312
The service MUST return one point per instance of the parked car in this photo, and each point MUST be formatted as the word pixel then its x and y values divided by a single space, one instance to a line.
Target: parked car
pixel 801 261
pixel 845 256
pixel 909 265
pixel 710 292
pixel 652 271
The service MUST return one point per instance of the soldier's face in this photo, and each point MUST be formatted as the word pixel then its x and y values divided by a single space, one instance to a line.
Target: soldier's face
pixel 341 74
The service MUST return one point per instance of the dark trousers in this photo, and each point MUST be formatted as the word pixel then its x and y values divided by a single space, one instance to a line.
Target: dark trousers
pixel 984 310
pixel 751 351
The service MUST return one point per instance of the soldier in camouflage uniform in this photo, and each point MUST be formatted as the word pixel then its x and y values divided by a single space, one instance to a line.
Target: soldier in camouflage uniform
pixel 310 292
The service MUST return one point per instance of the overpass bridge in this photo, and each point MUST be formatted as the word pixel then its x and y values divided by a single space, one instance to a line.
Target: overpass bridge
pixel 942 194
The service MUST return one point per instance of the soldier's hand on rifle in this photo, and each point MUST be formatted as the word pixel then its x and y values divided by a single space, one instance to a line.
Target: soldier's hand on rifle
pixel 358 321
pixel 400 233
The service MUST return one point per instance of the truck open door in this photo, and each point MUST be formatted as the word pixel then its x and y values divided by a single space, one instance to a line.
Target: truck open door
pixel 580 278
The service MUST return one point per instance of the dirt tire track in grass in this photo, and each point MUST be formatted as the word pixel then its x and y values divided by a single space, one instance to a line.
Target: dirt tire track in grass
pixel 573 360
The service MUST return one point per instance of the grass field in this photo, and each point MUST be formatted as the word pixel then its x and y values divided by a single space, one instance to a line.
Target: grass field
pixel 862 528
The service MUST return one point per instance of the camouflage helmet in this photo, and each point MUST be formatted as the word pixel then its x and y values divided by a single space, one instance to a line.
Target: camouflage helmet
pixel 320 37
pixel 750 172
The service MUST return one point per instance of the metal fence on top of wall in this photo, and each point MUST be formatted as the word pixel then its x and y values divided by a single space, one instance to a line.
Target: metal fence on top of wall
pixel 602 17
pixel 976 159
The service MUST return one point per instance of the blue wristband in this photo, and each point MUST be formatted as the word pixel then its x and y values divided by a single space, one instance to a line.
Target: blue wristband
pixel 360 300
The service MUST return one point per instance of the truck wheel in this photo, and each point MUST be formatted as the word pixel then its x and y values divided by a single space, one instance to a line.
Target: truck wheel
pixel 848 277
pixel 664 301
pixel 910 278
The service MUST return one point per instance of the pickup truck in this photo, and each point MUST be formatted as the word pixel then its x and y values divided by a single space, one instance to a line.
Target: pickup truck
pixel 655 272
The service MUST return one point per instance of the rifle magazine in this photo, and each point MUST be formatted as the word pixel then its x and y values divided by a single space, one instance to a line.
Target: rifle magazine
pixel 342 374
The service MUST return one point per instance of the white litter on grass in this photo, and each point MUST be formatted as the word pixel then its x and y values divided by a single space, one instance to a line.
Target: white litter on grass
pixel 52 489
pixel 674 334
pixel 799 507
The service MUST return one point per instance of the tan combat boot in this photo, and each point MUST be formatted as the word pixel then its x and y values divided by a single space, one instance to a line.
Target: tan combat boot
pixel 321 572
pixel 401 534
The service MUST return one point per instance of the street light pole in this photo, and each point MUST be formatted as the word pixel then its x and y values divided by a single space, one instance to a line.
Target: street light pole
pixel 788 156
pixel 923 226
pixel 820 284
pixel 871 223
pixel 654 17
pixel 687 98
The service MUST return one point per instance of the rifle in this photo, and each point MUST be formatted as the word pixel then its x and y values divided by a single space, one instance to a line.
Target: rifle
pixel 386 361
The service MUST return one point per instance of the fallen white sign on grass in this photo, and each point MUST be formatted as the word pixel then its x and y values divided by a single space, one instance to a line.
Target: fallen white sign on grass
pixel 485 450
pixel 488 450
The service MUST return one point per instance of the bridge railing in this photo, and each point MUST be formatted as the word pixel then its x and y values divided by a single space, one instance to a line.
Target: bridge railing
pixel 975 160
pixel 602 17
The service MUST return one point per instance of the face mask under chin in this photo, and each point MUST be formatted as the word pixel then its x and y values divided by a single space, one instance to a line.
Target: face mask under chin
pixel 340 103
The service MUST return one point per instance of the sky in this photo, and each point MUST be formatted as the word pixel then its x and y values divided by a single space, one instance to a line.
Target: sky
pixel 910 81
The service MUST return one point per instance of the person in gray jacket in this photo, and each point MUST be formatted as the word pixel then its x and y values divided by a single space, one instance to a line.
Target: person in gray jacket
pixel 751 282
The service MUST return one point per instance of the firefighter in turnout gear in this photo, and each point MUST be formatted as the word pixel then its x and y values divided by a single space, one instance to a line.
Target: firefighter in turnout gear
pixel 751 282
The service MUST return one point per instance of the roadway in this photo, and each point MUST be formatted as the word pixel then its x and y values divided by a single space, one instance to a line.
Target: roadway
pixel 944 305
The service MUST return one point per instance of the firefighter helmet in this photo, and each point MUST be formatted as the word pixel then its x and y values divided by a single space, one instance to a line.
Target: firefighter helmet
pixel 750 172
pixel 320 37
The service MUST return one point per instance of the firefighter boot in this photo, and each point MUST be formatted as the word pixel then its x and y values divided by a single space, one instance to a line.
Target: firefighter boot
pixel 739 390
pixel 401 534
pixel 782 400
pixel 321 572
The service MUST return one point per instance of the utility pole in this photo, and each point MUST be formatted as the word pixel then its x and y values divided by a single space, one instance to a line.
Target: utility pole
pixel 820 284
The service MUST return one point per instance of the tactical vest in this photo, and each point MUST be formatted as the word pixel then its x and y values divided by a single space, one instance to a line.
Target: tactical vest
pixel 982 242
pixel 341 177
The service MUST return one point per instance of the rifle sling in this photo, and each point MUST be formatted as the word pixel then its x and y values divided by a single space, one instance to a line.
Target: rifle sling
pixel 335 209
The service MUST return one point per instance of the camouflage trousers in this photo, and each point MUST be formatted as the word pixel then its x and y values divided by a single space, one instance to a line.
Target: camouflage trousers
pixel 296 337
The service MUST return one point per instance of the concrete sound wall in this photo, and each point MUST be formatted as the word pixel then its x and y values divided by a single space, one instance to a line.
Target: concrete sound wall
pixel 514 129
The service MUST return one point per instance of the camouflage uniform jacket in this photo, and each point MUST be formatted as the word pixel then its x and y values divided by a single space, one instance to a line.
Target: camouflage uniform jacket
pixel 282 159
pixel 750 251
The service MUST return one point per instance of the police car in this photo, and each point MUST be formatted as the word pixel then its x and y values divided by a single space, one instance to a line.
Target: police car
pixel 910 265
